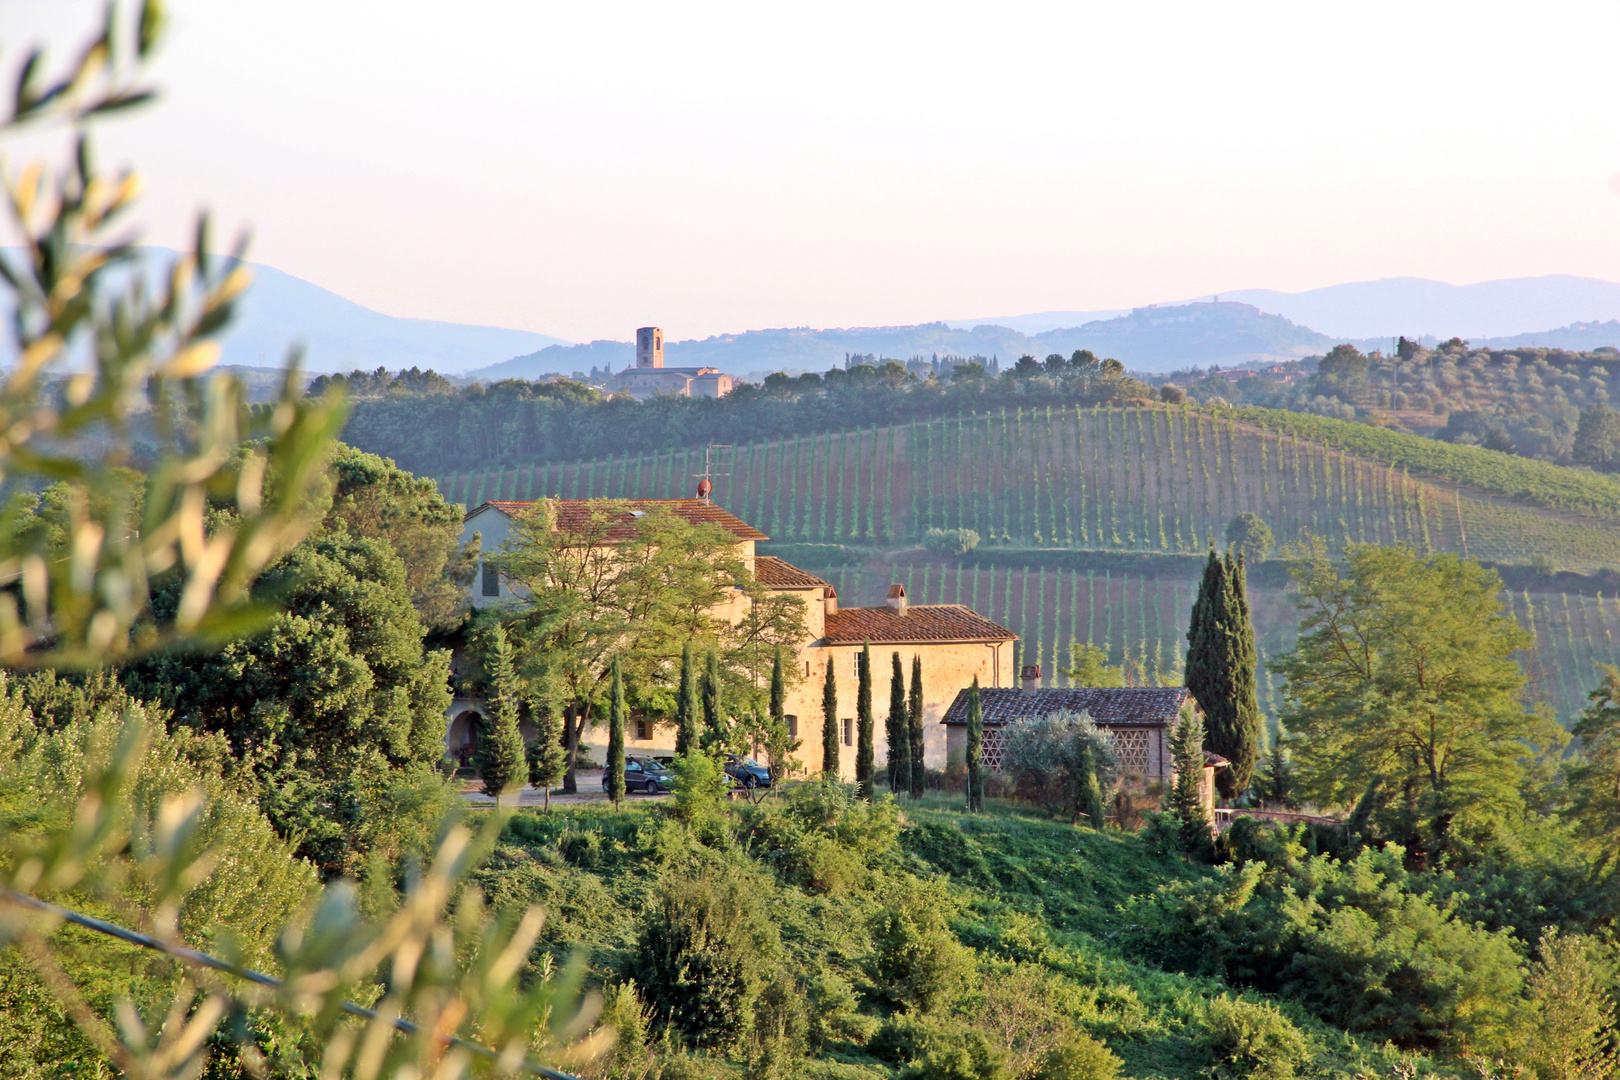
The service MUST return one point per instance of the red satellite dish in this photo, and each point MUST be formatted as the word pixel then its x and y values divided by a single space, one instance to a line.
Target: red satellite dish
pixel 704 487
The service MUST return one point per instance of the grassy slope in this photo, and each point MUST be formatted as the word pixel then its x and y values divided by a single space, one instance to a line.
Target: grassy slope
pixel 1035 900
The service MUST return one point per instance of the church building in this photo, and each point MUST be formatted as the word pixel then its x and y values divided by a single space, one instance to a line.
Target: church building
pixel 650 377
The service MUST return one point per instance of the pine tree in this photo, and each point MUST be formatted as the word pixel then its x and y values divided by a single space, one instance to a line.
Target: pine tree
pixel 914 725
pixel 547 757
pixel 500 759
pixel 829 723
pixel 1186 800
pixel 1274 779
pixel 615 751
pixel 975 750
pixel 864 766
pixel 898 731
pixel 686 705
pixel 713 738
pixel 1220 670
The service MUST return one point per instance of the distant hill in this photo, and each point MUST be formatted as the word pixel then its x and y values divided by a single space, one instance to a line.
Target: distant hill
pixel 340 335
pixel 1577 337
pixel 1040 321
pixel 1417 306
pixel 1147 339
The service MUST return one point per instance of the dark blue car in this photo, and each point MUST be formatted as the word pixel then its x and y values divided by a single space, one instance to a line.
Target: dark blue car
pixel 747 772
pixel 642 774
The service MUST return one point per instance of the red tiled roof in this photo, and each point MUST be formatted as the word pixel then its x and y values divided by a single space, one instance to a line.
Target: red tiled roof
pixel 920 625
pixel 575 513
pixel 770 570
pixel 1144 705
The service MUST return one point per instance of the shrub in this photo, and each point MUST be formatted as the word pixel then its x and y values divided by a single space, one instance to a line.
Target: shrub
pixel 704 951
pixel 916 962
pixel 1063 762
pixel 952 543
pixel 1078 1057
pixel 698 786
pixel 1253 1041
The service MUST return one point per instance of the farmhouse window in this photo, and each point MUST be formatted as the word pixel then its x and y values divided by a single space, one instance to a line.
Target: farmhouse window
pixel 849 732
pixel 492 581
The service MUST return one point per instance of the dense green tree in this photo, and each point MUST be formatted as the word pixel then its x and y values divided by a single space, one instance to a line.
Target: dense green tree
pixel 975 750
pixel 1573 1029
pixel 1597 438
pixel 779 741
pixel 687 706
pixel 1274 778
pixel 1088 666
pixel 829 723
pixel 1057 760
pixel 500 760
pixel 1405 677
pixel 1249 536
pixel 865 768
pixel 914 728
pixel 373 497
pixel 1594 776
pixel 898 730
pixel 615 750
pixel 1220 675
pixel 332 697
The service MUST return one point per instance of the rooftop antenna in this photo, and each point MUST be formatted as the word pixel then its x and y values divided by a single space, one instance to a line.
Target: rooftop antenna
pixel 706 477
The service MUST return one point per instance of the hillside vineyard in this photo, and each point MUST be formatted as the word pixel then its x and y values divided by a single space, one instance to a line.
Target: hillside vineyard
pixel 1048 488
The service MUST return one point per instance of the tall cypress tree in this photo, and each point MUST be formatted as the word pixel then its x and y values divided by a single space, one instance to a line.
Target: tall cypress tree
pixel 864 765
pixel 1220 670
pixel 615 751
pixel 975 750
pixel 500 759
pixel 1186 800
pixel 776 734
pixel 1242 738
pixel 829 722
pixel 714 731
pixel 898 729
pixel 547 758
pixel 914 726
pixel 686 705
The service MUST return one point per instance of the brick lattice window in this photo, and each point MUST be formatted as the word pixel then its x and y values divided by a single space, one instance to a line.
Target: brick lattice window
pixel 1131 749
pixel 991 748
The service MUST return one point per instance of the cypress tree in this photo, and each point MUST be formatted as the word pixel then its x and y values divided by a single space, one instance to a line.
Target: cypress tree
pixel 615 751
pixel 778 690
pixel 713 738
pixel 686 705
pixel 1220 670
pixel 898 731
pixel 1186 802
pixel 829 723
pixel 864 766
pixel 547 757
pixel 500 759
pixel 975 750
pixel 914 725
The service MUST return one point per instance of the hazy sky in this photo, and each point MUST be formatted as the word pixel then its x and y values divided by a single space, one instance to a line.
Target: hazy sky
pixel 581 169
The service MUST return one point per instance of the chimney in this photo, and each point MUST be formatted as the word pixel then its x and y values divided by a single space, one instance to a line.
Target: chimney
pixel 1030 678
pixel 831 600
pixel 897 599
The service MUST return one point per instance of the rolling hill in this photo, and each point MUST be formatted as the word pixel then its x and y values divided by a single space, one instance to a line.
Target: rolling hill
pixel 1094 520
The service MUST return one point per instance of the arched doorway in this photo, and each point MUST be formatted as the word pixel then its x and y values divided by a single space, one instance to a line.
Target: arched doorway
pixel 462 739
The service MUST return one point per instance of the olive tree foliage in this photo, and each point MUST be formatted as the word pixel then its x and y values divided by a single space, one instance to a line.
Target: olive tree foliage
pixel 89 357
pixel 103 361
pixel 1063 762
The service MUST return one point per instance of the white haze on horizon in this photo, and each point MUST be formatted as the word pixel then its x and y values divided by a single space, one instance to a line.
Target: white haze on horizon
pixel 578 170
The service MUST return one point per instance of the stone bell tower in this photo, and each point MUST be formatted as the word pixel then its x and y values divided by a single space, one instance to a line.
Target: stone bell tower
pixel 650 347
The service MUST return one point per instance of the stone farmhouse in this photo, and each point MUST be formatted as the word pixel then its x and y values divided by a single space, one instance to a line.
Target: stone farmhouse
pixel 955 643
pixel 650 377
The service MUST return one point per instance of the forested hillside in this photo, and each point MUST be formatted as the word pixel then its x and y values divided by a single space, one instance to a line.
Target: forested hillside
pixel 1092 519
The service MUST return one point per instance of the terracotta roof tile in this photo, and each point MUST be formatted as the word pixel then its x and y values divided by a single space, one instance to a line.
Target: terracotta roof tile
pixel 921 624
pixel 576 512
pixel 1149 706
pixel 783 575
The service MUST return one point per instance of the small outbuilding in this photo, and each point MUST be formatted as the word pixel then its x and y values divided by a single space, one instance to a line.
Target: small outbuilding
pixel 1137 719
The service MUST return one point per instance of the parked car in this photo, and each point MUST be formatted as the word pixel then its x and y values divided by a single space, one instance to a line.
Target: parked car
pixel 642 774
pixel 747 772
